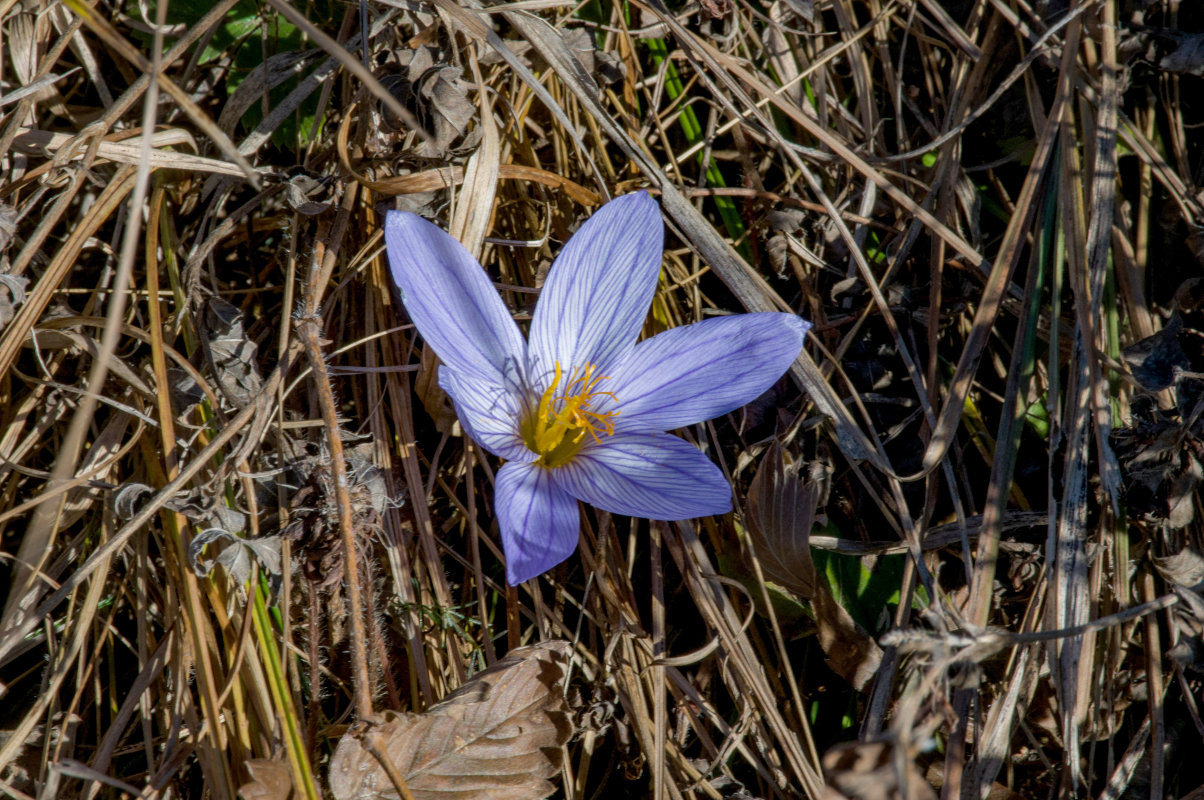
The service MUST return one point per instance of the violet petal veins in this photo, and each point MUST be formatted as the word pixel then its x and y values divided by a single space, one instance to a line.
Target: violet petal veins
pixel 581 412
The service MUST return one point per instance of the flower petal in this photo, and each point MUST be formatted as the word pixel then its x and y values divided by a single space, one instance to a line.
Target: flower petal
pixel 596 297
pixel 697 372
pixel 538 520
pixel 451 301
pixel 489 413
pixel 651 475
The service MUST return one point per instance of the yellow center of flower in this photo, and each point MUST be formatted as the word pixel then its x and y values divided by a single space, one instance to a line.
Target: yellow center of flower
pixel 558 427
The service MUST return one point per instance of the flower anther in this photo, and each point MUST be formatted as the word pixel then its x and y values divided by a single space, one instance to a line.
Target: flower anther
pixel 557 428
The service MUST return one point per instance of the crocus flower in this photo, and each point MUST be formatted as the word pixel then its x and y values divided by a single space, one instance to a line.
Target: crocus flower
pixel 580 409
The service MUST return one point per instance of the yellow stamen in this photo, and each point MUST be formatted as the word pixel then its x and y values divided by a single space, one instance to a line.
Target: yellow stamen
pixel 557 428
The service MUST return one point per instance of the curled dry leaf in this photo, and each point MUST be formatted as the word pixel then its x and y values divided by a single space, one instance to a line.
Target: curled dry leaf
pixel 1185 568
pixel 201 507
pixel 435 92
pixel 781 510
pixel 497 737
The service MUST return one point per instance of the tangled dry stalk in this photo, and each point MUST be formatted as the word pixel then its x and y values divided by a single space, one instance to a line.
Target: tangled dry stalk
pixel 239 521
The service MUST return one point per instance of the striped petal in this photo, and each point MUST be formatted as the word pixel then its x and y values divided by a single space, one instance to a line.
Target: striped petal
pixel 451 301
pixel 650 475
pixel 489 413
pixel 538 520
pixel 597 294
pixel 700 371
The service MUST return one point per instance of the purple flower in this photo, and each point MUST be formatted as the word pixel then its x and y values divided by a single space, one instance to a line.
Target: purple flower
pixel 579 411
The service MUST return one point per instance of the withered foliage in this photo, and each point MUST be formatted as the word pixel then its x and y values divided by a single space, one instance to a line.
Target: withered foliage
pixel 246 548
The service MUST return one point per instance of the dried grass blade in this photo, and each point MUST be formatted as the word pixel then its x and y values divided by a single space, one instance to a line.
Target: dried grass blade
pixel 1007 439
pixel 1005 262
pixel 952 29
pixel 128 151
pixel 474 211
pixel 695 565
pixel 1066 549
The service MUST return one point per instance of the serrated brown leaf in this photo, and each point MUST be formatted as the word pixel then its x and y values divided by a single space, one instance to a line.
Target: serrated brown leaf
pixel 497 737
pixel 781 511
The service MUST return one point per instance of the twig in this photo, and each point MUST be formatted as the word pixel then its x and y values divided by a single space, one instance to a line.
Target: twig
pixel 309 326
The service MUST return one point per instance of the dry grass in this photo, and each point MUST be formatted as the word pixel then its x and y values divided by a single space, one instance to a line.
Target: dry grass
pixel 979 204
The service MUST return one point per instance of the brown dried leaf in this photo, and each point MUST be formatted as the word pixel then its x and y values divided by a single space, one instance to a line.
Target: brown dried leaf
pixel 1185 568
pixel 272 780
pixel 438 96
pixel 851 652
pixel 877 770
pixel 497 737
pixel 1182 493
pixel 781 511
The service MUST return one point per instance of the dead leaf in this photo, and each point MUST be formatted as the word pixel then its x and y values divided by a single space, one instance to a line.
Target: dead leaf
pixel 781 512
pixel 13 293
pixel 878 770
pixel 602 65
pixel 1188 56
pixel 237 556
pixel 8 226
pixel 850 651
pixel 184 390
pixel 304 192
pixel 438 97
pixel 1181 496
pixel 271 780
pixel 232 355
pixel 1187 626
pixel 1155 359
pixel 805 9
pixel 1185 568
pixel 497 737
pixel 200 507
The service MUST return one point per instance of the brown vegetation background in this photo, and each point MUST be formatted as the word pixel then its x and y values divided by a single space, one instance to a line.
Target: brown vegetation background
pixel 240 526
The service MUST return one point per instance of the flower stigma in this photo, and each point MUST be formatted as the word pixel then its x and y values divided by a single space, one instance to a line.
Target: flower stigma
pixel 557 428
